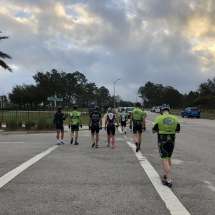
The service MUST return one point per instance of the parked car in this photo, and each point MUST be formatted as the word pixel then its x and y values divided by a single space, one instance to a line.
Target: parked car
pixel 153 109
pixel 191 112
pixel 128 111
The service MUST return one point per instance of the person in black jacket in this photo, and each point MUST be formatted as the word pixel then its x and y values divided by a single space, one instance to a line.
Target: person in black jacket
pixel 96 119
pixel 58 123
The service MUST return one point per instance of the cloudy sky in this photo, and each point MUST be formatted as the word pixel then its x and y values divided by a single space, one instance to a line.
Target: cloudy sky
pixel 169 42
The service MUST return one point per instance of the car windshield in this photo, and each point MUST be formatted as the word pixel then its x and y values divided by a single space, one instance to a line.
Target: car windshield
pixel 194 109
pixel 130 109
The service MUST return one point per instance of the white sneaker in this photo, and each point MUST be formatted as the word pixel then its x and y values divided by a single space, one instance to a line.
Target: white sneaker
pixel 62 142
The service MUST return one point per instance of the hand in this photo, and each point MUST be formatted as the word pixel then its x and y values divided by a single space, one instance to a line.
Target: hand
pixel 100 128
pixel 69 126
pixel 81 126
pixel 130 127
pixel 89 127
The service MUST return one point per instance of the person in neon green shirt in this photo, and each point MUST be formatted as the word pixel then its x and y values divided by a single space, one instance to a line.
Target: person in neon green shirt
pixel 166 126
pixel 74 122
pixel 137 116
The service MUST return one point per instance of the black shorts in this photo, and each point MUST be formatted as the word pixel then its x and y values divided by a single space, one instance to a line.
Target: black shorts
pixel 74 128
pixel 137 128
pixel 59 127
pixel 166 145
pixel 111 128
pixel 95 128
pixel 123 123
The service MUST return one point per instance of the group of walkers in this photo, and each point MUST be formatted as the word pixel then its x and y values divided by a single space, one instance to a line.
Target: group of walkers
pixel 165 126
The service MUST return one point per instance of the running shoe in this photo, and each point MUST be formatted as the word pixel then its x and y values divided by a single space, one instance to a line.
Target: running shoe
pixel 93 145
pixel 96 146
pixel 71 141
pixel 166 183
pixel 113 146
pixel 76 143
pixel 108 145
pixel 58 143
pixel 164 176
pixel 62 142
pixel 125 132
pixel 137 148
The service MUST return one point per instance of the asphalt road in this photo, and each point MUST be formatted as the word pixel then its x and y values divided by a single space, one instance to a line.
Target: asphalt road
pixel 84 180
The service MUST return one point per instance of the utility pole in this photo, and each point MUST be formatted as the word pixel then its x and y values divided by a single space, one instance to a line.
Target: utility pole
pixel 114 92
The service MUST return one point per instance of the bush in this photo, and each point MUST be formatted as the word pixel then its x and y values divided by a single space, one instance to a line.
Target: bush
pixel 49 126
pixel 41 123
pixel 33 124
pixel 28 125
pixel 20 124
pixel 12 124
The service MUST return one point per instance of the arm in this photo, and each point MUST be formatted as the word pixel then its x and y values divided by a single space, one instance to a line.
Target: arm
pixel 100 122
pixel 131 119
pixel 155 128
pixel 178 128
pixel 105 122
pixel 144 122
pixel 117 122
pixel 89 121
pixel 80 122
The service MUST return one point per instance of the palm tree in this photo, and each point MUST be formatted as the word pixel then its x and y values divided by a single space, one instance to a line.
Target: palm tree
pixel 3 55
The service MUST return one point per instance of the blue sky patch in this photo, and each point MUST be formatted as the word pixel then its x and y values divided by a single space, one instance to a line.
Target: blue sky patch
pixel 22 15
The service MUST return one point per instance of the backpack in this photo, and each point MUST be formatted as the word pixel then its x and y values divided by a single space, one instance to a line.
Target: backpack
pixel 111 118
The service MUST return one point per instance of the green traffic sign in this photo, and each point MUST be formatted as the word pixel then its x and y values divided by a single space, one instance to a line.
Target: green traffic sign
pixel 55 99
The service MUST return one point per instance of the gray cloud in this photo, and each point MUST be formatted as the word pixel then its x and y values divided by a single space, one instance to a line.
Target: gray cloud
pixel 157 41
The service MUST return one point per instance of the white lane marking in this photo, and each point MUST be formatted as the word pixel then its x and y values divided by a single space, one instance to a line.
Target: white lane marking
pixel 171 201
pixel 13 173
pixel 12 142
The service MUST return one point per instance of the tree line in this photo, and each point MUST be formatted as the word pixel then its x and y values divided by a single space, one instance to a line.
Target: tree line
pixel 157 94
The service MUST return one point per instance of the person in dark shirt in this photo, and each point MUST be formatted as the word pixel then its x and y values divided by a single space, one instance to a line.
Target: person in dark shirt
pixel 58 123
pixel 95 118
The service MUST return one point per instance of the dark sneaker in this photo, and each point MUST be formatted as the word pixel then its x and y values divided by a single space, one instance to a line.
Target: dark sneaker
pixel 96 146
pixel 58 143
pixel 166 183
pixel 62 142
pixel 93 145
pixel 76 143
pixel 137 148
pixel 71 141
pixel 125 132
pixel 164 176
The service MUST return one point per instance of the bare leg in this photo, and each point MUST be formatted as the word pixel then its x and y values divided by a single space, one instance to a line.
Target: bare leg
pixel 76 136
pixel 135 138
pixel 58 134
pixel 166 168
pixel 97 138
pixel 72 134
pixel 108 138
pixel 113 138
pixel 92 137
pixel 139 138
pixel 62 135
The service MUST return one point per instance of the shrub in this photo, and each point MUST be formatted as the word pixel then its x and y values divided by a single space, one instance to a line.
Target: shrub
pixel 12 124
pixel 20 124
pixel 33 124
pixel 28 124
pixel 41 123
pixel 49 126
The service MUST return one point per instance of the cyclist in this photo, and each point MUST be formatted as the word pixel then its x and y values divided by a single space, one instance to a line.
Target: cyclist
pixel 123 118
pixel 166 126
pixel 137 116
pixel 95 117
pixel 74 122
pixel 58 123
pixel 110 120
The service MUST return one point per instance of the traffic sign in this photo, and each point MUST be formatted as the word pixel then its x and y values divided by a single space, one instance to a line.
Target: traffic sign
pixel 55 99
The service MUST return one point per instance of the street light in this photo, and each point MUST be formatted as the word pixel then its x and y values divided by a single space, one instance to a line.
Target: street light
pixel 114 93
pixel 136 96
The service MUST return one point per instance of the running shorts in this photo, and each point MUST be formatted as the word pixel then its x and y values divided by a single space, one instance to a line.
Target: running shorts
pixel 111 128
pixel 74 128
pixel 94 128
pixel 123 123
pixel 59 127
pixel 166 145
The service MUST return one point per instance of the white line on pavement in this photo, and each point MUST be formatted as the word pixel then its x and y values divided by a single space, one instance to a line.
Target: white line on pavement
pixel 171 201
pixel 13 173
pixel 12 142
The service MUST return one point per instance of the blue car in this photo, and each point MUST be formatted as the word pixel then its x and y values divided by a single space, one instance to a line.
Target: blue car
pixel 191 112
